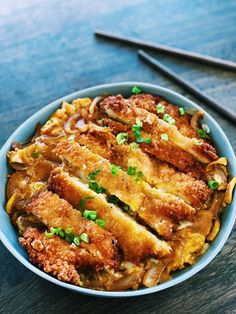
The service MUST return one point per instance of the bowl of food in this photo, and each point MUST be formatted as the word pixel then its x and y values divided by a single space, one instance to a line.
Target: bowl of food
pixel 117 190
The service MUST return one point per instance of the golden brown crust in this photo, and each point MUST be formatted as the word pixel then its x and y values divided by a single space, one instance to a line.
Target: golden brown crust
pixel 149 103
pixel 55 256
pixel 56 212
pixel 82 161
pixel 157 173
pixel 122 109
pixel 135 241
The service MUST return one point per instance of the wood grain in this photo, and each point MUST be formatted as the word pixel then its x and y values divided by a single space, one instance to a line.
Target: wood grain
pixel 47 50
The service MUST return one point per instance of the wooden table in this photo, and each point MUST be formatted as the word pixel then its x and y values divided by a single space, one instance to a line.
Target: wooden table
pixel 47 50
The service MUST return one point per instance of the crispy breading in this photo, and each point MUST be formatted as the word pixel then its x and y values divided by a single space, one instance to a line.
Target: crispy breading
pixel 81 161
pixel 149 103
pixel 55 256
pixel 136 242
pixel 157 173
pixel 122 109
pixel 56 212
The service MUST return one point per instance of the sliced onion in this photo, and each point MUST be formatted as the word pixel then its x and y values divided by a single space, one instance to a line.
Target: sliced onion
pixel 195 120
pixel 93 104
pixel 153 274
pixel 68 124
pixel 127 282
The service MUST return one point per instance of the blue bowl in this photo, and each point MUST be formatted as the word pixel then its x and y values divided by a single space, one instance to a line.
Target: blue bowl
pixel 8 234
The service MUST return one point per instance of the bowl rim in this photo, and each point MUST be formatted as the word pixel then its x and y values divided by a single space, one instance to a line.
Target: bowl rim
pixel 190 270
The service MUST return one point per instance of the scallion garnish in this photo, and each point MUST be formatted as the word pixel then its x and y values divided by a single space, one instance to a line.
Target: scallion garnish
pixel 90 214
pixel 96 187
pixel 138 175
pixel 181 111
pixel 71 137
pixel 68 230
pixel 83 199
pixel 136 90
pixel 100 222
pixel 131 170
pixel 164 137
pixel 202 134
pixel 148 140
pixel 121 138
pixel 167 118
pixel 196 142
pixel 113 199
pixel 213 184
pixel 84 237
pixel 76 241
pixel 139 140
pixel 51 233
pixel 114 170
pixel 133 146
pixel 35 154
pixel 160 108
pixel 92 175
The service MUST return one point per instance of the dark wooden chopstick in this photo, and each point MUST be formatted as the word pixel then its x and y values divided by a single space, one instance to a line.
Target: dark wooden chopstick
pixel 225 64
pixel 195 91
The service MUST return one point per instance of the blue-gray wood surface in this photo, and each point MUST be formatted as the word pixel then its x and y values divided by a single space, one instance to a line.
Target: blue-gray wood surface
pixel 47 50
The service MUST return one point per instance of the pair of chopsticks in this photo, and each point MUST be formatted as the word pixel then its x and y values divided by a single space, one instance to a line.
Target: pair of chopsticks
pixel 228 65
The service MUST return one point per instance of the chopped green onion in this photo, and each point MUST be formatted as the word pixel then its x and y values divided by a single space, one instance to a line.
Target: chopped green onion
pixel 202 134
pixel 213 184
pixel 126 208
pixel 114 170
pixel 71 137
pixel 167 118
pixel 160 108
pixel 136 90
pixel 90 214
pixel 139 122
pixel 138 176
pixel 96 187
pixel 196 142
pixel 49 234
pixel 133 146
pixel 84 237
pixel 68 230
pixel 83 199
pixel 121 138
pixel 181 111
pixel 137 134
pixel 139 140
pixel 113 199
pixel 164 137
pixel 138 125
pixel 100 222
pixel 61 233
pixel 131 170
pixel 76 241
pixel 35 154
pixel 148 140
pixel 92 175
pixel 69 237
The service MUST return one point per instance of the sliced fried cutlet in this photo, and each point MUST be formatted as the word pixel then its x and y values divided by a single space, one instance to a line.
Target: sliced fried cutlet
pixel 55 256
pixel 122 109
pixel 56 212
pixel 149 103
pixel 136 241
pixel 157 173
pixel 82 162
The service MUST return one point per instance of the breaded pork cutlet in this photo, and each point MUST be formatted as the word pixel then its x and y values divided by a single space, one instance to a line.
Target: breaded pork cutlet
pixel 157 173
pixel 136 241
pixel 138 195
pixel 122 109
pixel 58 213
pixel 55 256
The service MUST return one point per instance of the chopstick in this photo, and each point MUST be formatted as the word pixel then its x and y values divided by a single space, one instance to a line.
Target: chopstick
pixel 195 91
pixel 225 64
